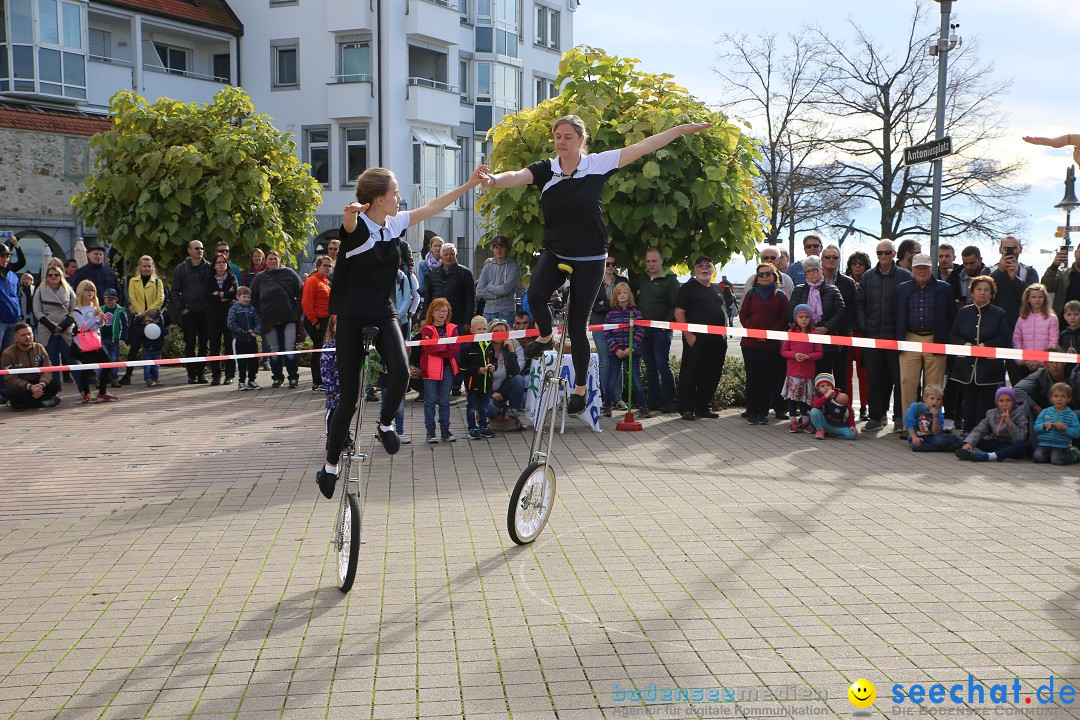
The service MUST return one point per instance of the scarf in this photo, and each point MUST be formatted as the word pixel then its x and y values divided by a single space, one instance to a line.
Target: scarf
pixel 432 261
pixel 765 291
pixel 814 300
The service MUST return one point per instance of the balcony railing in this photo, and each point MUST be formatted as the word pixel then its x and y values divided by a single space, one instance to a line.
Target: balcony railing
pixel 109 60
pixel 185 73
pixel 434 84
pixel 452 4
pixel 354 78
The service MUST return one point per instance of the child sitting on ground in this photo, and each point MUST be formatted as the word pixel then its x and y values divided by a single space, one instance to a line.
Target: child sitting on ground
pixel 478 366
pixel 924 422
pixel 802 355
pixel 1002 434
pixel 831 414
pixel 1056 428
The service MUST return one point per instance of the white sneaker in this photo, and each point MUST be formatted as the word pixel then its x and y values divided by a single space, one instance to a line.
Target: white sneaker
pixel 241 386
pixel 406 439
pixel 949 424
pixel 432 440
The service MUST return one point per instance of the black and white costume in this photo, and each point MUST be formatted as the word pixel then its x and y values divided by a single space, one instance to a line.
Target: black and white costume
pixel 363 295
pixel 574 234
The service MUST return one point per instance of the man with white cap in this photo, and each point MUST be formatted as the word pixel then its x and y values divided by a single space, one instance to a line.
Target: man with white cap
pixel 925 311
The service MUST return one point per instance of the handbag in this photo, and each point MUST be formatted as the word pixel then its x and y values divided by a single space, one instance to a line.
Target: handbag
pixel 88 340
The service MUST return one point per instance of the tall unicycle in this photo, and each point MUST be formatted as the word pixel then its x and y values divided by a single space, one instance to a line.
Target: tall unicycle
pixel 534 494
pixel 347 538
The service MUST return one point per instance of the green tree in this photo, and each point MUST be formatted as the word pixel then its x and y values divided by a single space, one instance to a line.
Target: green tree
pixel 172 172
pixel 695 195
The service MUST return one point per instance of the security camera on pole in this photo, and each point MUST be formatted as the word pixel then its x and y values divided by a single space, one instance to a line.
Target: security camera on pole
pixel 942 145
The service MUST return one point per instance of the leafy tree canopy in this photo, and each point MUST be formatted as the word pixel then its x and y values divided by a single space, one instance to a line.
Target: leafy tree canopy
pixel 172 172
pixel 694 196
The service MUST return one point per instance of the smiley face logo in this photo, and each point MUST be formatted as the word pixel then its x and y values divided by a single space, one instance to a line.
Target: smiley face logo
pixel 862 693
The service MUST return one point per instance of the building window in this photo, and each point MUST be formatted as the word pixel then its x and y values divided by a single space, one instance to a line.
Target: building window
pixel 463 81
pixel 174 60
pixel 286 60
pixel 46 48
pixel 354 62
pixel 507 87
pixel 483 82
pixel 354 141
pixel 317 153
pixel 544 89
pixel 546 30
pixel 222 67
pixel 436 157
pixel 100 44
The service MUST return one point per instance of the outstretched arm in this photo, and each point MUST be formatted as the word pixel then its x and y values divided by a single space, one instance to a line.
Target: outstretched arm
pixel 444 201
pixel 512 178
pixel 630 153
pixel 1058 142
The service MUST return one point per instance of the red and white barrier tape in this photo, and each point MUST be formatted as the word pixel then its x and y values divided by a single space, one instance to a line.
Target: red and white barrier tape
pixel 734 332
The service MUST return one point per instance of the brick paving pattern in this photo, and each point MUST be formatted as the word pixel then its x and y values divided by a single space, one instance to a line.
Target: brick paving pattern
pixel 167 557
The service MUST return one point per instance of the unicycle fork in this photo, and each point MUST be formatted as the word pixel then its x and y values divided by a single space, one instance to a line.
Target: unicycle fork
pixel 534 494
pixel 348 525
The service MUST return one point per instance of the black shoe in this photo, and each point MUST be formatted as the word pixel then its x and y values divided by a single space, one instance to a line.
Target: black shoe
pixel 200 380
pixel 688 416
pixel 456 392
pixel 327 483
pixel 707 414
pixel 228 379
pixel 390 440
pixel 125 380
pixel 745 414
pixel 963 454
pixel 536 348
pixel 215 380
pixel 192 380
pixel 576 404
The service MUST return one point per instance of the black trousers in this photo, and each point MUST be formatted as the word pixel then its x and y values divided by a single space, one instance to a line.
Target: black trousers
pixel 247 368
pixel 135 341
pixel 761 379
pixel 317 333
pixel 699 374
pixel 194 326
pixel 350 360
pixel 835 362
pixel 977 400
pixel 584 284
pixel 883 373
pixel 21 397
pixel 219 340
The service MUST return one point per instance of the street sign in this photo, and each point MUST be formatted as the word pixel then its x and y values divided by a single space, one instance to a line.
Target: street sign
pixel 1072 228
pixel 928 151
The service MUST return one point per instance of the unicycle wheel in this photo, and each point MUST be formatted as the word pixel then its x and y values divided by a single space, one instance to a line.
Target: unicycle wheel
pixel 530 503
pixel 348 545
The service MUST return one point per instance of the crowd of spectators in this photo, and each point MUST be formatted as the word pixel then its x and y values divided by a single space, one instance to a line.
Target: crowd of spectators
pixel 82 314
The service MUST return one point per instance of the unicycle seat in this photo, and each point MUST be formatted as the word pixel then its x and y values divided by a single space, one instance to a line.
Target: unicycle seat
pixel 368 336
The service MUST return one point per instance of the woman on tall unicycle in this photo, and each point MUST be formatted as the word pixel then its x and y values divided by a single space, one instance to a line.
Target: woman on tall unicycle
pixel 362 296
pixel 571 186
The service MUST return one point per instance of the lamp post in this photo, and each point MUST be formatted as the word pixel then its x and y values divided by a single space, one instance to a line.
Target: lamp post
pixel 945 42
pixel 1068 204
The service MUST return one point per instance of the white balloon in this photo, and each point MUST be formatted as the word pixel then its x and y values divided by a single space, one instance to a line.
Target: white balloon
pixel 152 331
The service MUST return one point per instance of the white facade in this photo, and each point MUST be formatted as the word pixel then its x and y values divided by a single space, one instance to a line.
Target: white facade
pixel 442 77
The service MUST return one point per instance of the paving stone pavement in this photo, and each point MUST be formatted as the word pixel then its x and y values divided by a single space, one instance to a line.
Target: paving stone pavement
pixel 167 557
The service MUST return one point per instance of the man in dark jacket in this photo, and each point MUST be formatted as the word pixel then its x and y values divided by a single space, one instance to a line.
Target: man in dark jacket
pixel 925 312
pixel 1034 390
pixel 655 291
pixel 972 266
pixel 96 271
pixel 454 282
pixel 188 302
pixel 876 315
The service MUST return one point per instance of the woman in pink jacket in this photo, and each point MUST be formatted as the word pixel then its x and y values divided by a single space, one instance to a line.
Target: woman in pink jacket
pixel 802 356
pixel 1037 328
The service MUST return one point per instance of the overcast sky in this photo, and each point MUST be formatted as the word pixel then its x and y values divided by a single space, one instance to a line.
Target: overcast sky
pixel 1035 43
